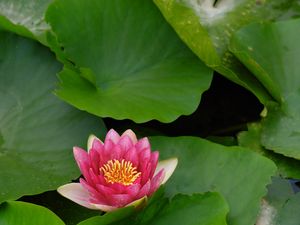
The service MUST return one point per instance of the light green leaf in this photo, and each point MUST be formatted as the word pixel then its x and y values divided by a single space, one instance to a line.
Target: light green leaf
pixel 22 213
pixel 206 26
pixel 129 62
pixel 238 174
pixel 198 209
pixel 272 55
pixel 38 129
pixel 25 17
pixel 109 218
pixel 287 167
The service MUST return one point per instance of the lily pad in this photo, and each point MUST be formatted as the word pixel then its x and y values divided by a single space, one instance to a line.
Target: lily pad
pixel 206 26
pixel 129 63
pixel 14 212
pixel 193 210
pixel 287 167
pixel 272 55
pixel 182 209
pixel 38 130
pixel 25 17
pixel 235 172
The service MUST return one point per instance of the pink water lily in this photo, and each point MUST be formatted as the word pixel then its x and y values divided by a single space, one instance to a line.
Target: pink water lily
pixel 120 172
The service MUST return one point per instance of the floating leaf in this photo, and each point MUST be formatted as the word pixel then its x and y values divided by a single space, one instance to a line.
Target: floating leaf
pixel 182 209
pixel 25 17
pixel 38 129
pixel 233 171
pixel 287 167
pixel 272 55
pixel 206 26
pixel 23 213
pixel 130 63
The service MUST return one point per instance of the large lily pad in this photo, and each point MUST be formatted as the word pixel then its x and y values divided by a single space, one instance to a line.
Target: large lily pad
pixel 129 61
pixel 233 171
pixel 23 213
pixel 25 17
pixel 287 167
pixel 182 209
pixel 272 54
pixel 206 26
pixel 38 130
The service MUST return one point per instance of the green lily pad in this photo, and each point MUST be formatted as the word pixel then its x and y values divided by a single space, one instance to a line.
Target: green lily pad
pixel 23 213
pixel 287 167
pixel 182 209
pixel 272 55
pixel 206 26
pixel 129 62
pixel 25 17
pixel 193 210
pixel 38 129
pixel 203 166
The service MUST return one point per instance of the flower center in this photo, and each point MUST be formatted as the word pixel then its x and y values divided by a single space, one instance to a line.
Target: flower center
pixel 122 172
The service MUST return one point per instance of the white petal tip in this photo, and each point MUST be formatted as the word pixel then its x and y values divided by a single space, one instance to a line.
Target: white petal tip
pixel 91 139
pixel 76 193
pixel 131 135
pixel 169 166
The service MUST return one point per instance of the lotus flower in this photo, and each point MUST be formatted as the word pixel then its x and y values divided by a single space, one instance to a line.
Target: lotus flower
pixel 120 172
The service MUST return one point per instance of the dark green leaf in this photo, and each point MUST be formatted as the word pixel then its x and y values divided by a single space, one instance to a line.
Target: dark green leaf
pixel 38 129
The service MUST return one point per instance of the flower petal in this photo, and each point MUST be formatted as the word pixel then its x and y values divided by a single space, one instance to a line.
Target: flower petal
pixel 91 141
pixel 76 193
pixel 131 135
pixel 82 160
pixel 113 136
pixel 142 144
pixel 169 165
pixel 104 208
pixel 126 143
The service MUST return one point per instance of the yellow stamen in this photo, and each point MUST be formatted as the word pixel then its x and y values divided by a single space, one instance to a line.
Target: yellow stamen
pixel 122 172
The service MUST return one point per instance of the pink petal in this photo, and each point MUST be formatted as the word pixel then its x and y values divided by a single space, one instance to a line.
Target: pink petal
pixel 126 143
pixel 91 140
pixel 120 200
pixel 98 146
pixel 169 165
pixel 131 135
pixel 95 196
pixel 82 160
pixel 143 144
pixel 144 190
pixel 153 162
pixel 94 158
pixel 157 181
pixel 76 193
pixel 106 191
pixel 116 152
pixel 131 155
pixel 113 136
